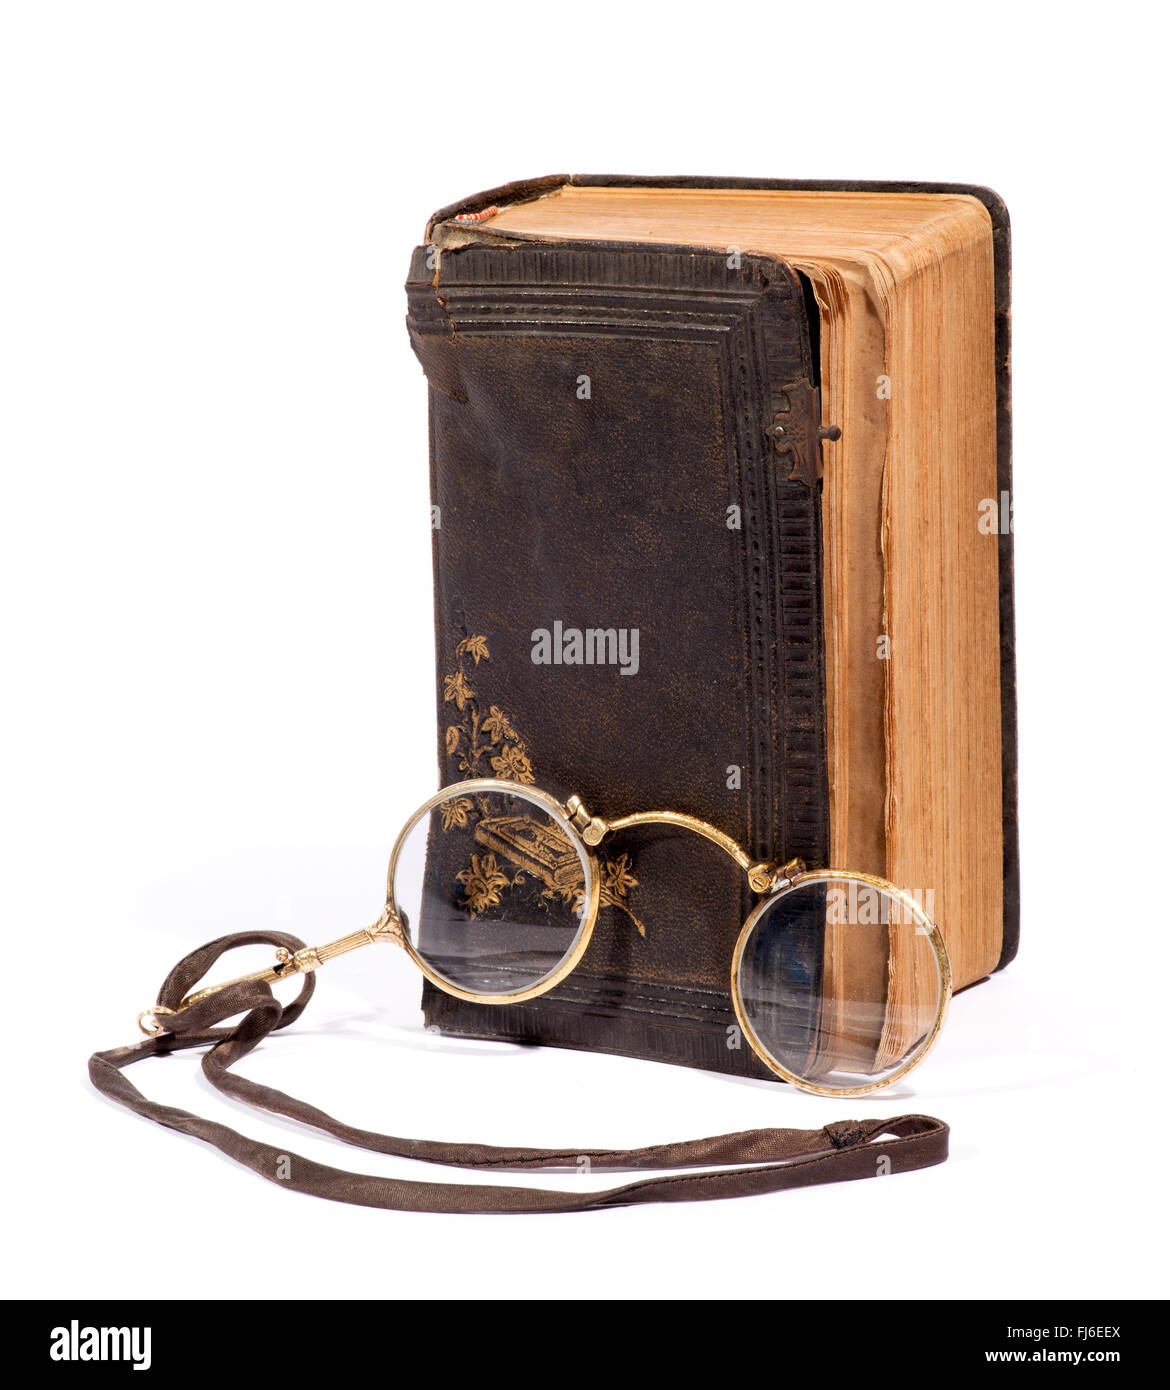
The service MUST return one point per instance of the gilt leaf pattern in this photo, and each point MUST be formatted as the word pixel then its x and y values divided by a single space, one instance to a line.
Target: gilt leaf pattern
pixel 486 745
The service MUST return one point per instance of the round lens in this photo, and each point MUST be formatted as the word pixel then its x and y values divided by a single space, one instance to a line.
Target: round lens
pixel 839 983
pixel 493 889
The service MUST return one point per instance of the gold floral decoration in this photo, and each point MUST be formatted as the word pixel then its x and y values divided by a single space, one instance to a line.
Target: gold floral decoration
pixel 617 877
pixel 456 688
pixel 474 647
pixel 513 764
pixel 616 882
pixel 456 812
pixel 498 725
pixel 483 882
pixel 479 742
pixel 482 741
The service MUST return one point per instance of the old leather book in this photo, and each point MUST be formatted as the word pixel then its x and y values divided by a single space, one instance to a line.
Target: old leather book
pixel 661 582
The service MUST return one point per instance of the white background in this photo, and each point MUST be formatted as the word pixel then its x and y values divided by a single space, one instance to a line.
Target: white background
pixel 217 625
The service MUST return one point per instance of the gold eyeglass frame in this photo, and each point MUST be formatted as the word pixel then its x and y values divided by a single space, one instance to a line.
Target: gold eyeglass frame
pixel 585 832
pixel 553 808
pixel 925 925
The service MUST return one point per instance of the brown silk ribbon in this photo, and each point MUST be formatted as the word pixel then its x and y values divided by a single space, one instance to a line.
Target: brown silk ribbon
pixel 779 1158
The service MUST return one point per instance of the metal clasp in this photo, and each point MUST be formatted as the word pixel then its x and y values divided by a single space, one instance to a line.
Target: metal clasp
pixel 796 429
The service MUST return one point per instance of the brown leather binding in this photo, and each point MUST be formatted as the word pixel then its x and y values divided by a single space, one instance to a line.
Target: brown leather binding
pixel 523 189
pixel 502 330
pixel 780 1158
pixel 612 511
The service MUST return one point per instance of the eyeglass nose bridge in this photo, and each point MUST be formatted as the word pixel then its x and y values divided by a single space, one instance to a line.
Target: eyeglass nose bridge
pixel 763 876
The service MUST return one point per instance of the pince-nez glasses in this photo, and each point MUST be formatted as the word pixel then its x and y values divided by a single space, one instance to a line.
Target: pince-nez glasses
pixel 840 980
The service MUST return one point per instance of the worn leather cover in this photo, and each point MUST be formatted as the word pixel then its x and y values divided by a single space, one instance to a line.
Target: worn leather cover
pixel 603 456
